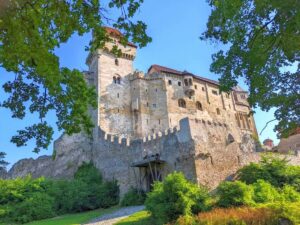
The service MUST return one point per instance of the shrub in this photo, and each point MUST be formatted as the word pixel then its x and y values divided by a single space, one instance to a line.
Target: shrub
pixel 234 194
pixel 38 206
pixel 272 169
pixel 88 173
pixel 265 192
pixel 290 194
pixel 133 197
pixel 289 211
pixel 109 194
pixel 175 196
pixel 237 216
pixel 26 199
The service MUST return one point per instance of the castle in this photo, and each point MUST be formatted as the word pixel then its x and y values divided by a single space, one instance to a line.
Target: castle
pixel 148 125
pixel 135 105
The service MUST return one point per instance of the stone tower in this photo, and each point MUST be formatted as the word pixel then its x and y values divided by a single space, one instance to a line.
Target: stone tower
pixel 106 73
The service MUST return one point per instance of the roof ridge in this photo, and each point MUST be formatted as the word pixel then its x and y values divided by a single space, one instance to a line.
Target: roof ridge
pixel 167 69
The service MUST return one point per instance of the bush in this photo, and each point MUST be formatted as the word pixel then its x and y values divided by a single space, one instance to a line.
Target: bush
pixel 26 199
pixel 175 196
pixel 38 206
pixel 272 169
pixel 109 194
pixel 133 197
pixel 234 194
pixel 264 192
pixel 233 216
pixel 289 194
pixel 88 173
pixel 289 211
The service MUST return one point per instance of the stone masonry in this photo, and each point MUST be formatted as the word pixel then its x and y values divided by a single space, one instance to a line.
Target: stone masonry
pixel 148 125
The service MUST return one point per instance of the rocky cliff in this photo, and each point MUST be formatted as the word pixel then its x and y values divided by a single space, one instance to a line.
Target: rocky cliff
pixel 69 153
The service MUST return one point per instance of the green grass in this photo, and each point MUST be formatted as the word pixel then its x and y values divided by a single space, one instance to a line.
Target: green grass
pixel 139 218
pixel 72 219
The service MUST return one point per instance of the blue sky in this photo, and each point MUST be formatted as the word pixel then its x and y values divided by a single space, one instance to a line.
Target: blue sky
pixel 175 27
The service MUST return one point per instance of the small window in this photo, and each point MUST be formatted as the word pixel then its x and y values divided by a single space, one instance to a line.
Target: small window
pixel 147 121
pixel 218 111
pixel 203 89
pixel 115 80
pixel 199 106
pixel 195 86
pixel 229 106
pixel 118 95
pixel 154 105
pixel 156 90
pixel 186 82
pixel 181 103
pixel 170 82
pixel 118 110
pixel 190 82
pixel 146 90
pixel 243 96
pixel 227 95
pixel 214 92
pixel 116 62
pixel 147 104
pixel 179 83
pixel 118 80
pixel 158 121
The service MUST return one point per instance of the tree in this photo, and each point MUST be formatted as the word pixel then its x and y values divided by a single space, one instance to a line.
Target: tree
pixel 30 30
pixel 263 44
pixel 3 163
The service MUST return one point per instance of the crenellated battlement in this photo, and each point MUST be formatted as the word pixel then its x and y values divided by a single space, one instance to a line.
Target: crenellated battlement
pixel 148 139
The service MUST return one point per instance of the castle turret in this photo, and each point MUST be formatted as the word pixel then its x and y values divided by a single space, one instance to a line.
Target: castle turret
pixel 109 71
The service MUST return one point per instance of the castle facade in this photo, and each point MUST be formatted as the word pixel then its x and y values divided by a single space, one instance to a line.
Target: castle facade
pixel 149 125
pixel 135 105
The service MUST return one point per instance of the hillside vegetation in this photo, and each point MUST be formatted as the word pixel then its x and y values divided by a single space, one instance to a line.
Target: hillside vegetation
pixel 26 199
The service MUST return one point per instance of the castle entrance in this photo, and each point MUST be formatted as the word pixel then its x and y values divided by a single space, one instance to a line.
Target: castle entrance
pixel 147 171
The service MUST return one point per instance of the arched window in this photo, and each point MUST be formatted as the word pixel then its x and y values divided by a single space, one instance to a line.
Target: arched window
pixel 199 106
pixel 118 80
pixel 115 80
pixel 218 111
pixel 181 103
pixel 116 62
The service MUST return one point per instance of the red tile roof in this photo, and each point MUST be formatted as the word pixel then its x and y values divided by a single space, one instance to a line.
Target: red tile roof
pixel 160 69
pixel 117 33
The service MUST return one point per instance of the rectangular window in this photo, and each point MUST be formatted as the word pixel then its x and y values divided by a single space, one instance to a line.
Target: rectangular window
pixel 179 83
pixel 196 87
pixel 203 89
pixel 170 82
pixel 214 92
pixel 154 105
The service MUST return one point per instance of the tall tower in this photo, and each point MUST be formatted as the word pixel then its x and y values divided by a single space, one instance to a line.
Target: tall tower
pixel 110 77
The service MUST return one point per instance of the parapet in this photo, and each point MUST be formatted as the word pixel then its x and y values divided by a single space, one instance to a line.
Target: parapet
pixel 183 133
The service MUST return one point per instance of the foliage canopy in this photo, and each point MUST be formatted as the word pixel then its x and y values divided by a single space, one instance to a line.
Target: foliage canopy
pixel 263 43
pixel 30 31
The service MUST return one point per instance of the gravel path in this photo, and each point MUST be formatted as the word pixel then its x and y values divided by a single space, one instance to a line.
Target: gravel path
pixel 112 218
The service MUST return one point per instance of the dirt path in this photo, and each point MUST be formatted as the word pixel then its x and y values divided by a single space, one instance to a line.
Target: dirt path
pixel 112 218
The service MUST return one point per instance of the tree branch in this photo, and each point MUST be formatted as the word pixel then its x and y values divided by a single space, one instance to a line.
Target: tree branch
pixel 266 126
